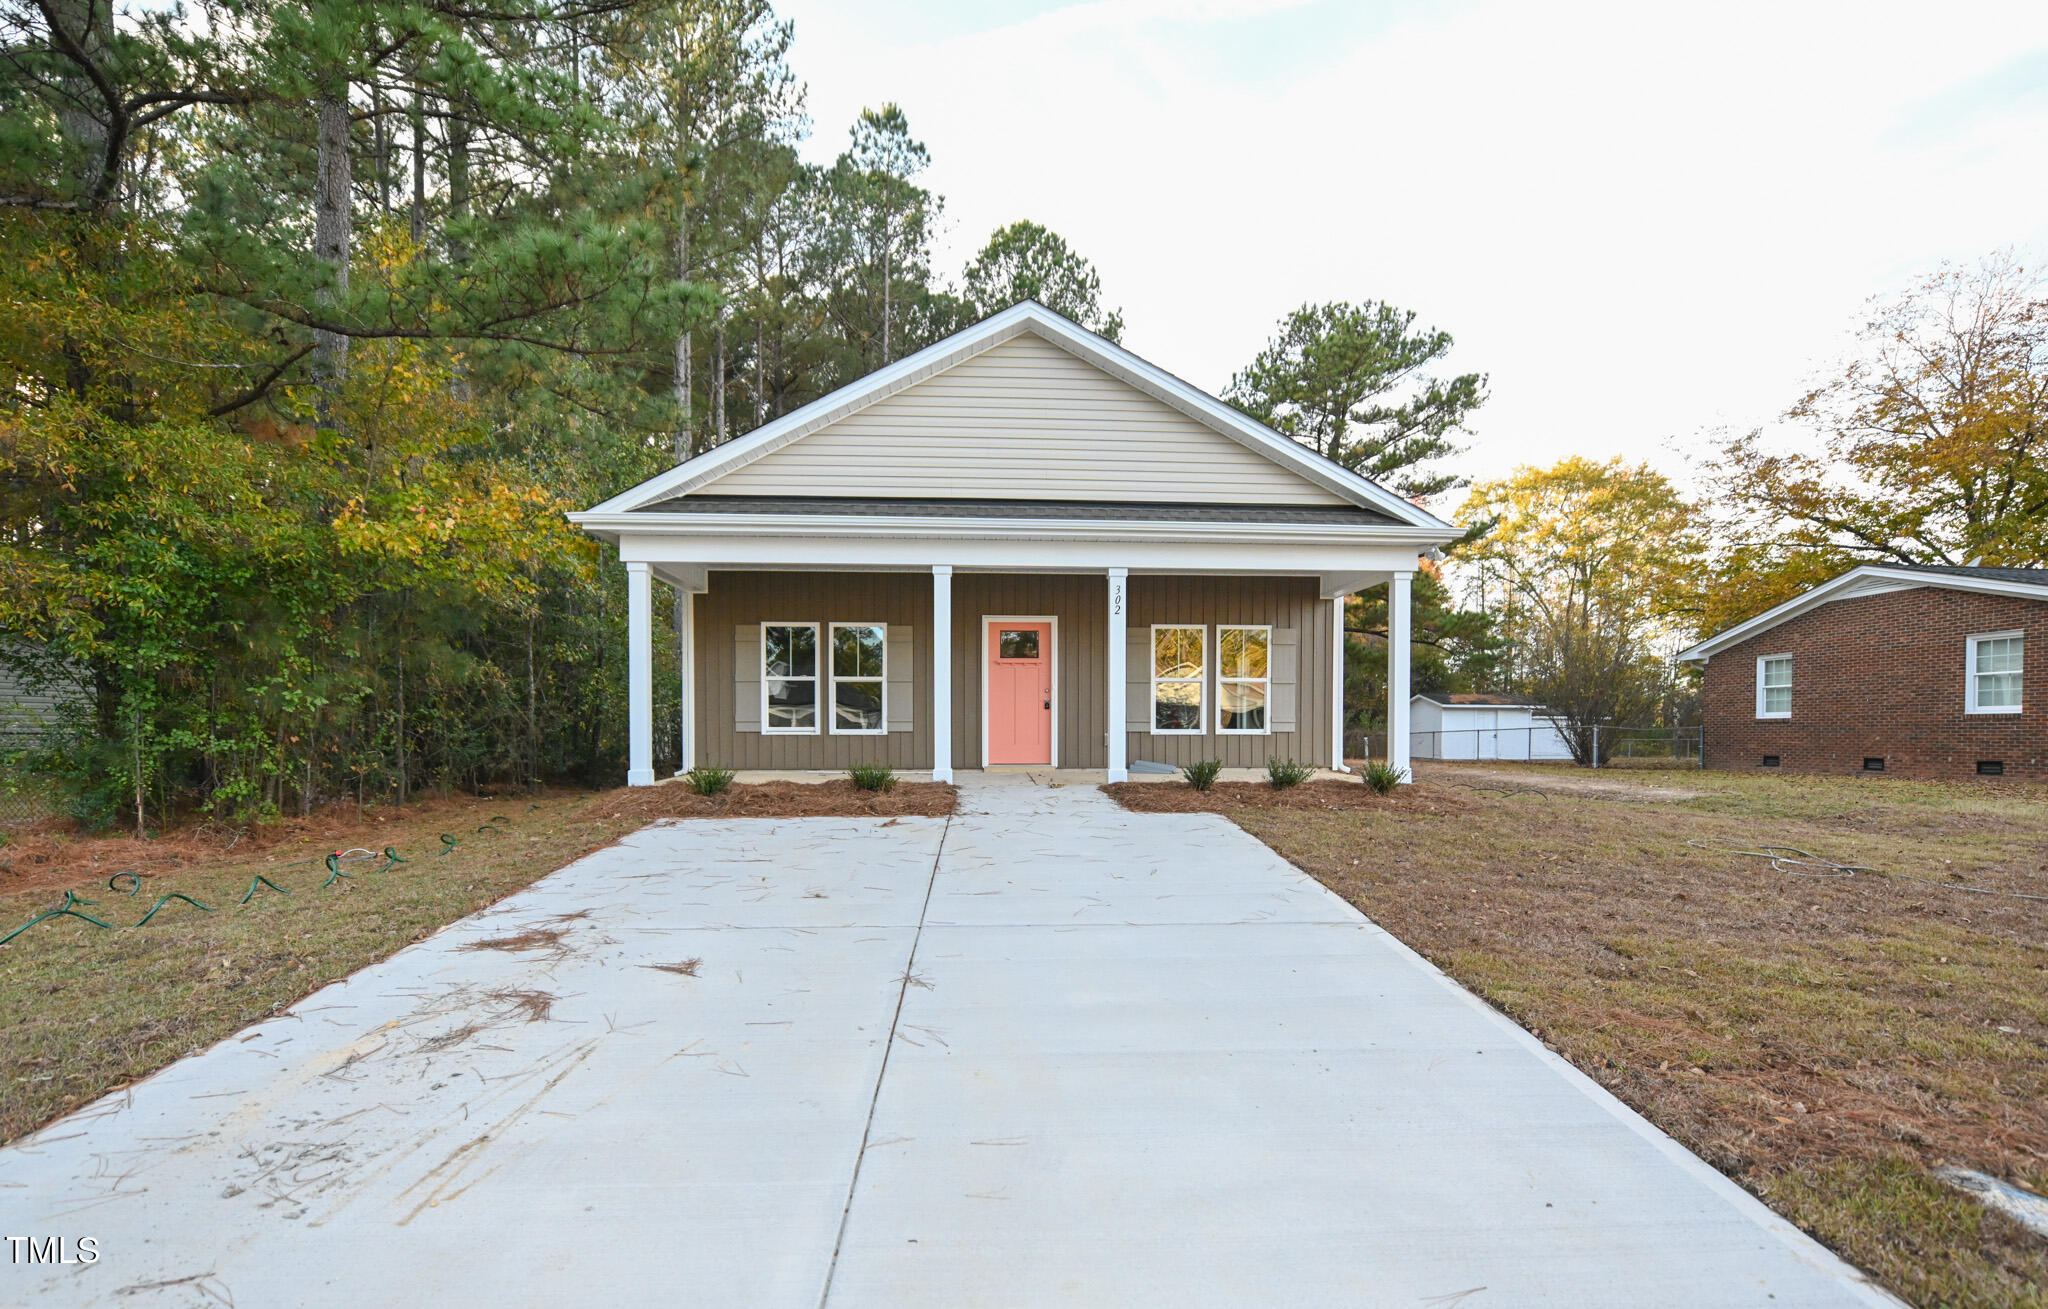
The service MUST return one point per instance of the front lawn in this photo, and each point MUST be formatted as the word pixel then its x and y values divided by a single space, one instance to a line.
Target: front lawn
pixel 1824 1040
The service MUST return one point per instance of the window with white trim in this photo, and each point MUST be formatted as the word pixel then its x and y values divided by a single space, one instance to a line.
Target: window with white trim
pixel 1244 665
pixel 789 678
pixel 860 679
pixel 1178 679
pixel 1774 686
pixel 1994 663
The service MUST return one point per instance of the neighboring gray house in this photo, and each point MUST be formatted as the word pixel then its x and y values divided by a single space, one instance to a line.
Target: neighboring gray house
pixel 25 715
pixel 1023 545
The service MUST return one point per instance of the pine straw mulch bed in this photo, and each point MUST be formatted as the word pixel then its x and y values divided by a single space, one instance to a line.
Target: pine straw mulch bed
pixel 1824 1041
pixel 839 798
pixel 1228 797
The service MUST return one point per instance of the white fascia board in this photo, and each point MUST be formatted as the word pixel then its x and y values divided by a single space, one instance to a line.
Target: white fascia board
pixel 990 332
pixel 1061 554
pixel 850 530
pixel 1865 579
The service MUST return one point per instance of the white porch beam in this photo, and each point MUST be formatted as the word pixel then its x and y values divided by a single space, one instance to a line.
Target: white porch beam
pixel 1119 607
pixel 639 675
pixel 942 673
pixel 1399 603
pixel 1337 648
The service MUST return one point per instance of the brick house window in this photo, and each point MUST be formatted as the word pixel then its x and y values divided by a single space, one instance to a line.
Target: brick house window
pixel 1774 686
pixel 1993 664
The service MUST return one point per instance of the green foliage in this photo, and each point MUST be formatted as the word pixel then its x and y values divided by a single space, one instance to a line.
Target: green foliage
pixel 1026 261
pixel 708 781
pixel 1589 570
pixel 1202 775
pixel 872 777
pixel 1382 776
pixel 1284 773
pixel 1451 648
pixel 292 414
pixel 1350 382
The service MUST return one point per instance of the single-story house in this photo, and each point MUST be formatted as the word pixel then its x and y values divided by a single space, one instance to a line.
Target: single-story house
pixel 1886 668
pixel 1474 725
pixel 1023 545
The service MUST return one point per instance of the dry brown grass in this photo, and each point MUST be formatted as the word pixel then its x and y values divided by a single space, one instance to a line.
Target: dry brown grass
pixel 1824 1041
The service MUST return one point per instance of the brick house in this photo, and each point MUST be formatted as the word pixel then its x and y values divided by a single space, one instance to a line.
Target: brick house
pixel 1886 668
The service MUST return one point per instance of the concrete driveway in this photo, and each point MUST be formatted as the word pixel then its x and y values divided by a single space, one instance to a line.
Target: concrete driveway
pixel 1043 1053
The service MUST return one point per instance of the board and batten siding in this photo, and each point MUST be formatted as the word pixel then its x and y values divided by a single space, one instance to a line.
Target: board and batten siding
pixel 1023 420
pixel 1280 602
pixel 737 599
pixel 1080 604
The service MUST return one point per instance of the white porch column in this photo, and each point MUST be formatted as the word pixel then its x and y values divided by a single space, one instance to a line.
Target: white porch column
pixel 639 675
pixel 686 659
pixel 1399 603
pixel 1337 646
pixel 1119 763
pixel 942 672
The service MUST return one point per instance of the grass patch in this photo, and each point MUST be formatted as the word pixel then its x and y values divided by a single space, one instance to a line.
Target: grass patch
pixel 1824 1041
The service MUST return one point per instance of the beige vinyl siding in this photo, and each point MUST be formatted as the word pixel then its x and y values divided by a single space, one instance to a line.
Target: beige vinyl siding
pixel 742 598
pixel 1023 420
pixel 1279 602
pixel 1081 603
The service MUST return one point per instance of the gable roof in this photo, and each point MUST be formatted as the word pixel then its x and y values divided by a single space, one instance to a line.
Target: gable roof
pixel 1344 486
pixel 1876 579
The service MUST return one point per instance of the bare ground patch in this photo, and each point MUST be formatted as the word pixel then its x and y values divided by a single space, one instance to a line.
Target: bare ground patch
pixel 838 798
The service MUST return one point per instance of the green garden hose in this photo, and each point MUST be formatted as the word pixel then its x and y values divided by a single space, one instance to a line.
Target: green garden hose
pixel 261 880
pixel 175 895
pixel 134 883
pixel 60 911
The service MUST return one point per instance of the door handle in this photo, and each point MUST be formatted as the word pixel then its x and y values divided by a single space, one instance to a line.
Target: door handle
pixel 1048 704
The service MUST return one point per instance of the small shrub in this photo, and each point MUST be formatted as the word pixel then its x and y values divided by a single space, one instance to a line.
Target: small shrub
pixel 1382 776
pixel 872 777
pixel 1283 773
pixel 1202 776
pixel 708 781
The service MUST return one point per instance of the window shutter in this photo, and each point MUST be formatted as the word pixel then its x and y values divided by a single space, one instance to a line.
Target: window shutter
pixel 746 678
pixel 1138 680
pixel 901 657
pixel 1286 674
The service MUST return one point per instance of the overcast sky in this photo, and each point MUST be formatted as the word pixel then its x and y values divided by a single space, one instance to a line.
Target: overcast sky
pixel 1644 221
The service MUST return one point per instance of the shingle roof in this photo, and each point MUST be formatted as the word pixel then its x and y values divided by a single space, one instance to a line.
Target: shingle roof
pixel 1099 510
pixel 2035 576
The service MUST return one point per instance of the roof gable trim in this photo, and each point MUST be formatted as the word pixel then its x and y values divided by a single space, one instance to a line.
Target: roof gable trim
pixel 1862 580
pixel 991 332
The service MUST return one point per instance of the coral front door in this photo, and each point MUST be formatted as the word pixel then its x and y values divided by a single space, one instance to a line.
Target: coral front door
pixel 1019 692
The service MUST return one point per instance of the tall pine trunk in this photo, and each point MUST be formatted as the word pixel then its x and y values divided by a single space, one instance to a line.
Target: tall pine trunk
pixel 331 221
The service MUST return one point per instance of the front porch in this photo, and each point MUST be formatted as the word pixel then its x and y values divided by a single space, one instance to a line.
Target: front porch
pixel 799 668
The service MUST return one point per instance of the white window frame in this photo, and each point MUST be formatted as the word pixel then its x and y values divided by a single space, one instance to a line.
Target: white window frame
pixel 1761 660
pixel 833 679
pixel 1201 727
pixel 1265 682
pixel 1970 673
pixel 816 679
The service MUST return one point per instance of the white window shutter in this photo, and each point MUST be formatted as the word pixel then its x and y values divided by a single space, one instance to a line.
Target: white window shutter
pixel 746 677
pixel 1138 681
pixel 1285 669
pixel 901 659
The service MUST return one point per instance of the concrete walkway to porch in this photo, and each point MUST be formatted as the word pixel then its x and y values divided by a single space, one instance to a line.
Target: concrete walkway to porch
pixel 1045 1052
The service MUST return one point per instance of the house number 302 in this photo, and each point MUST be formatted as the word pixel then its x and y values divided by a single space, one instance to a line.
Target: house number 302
pixel 1116 599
